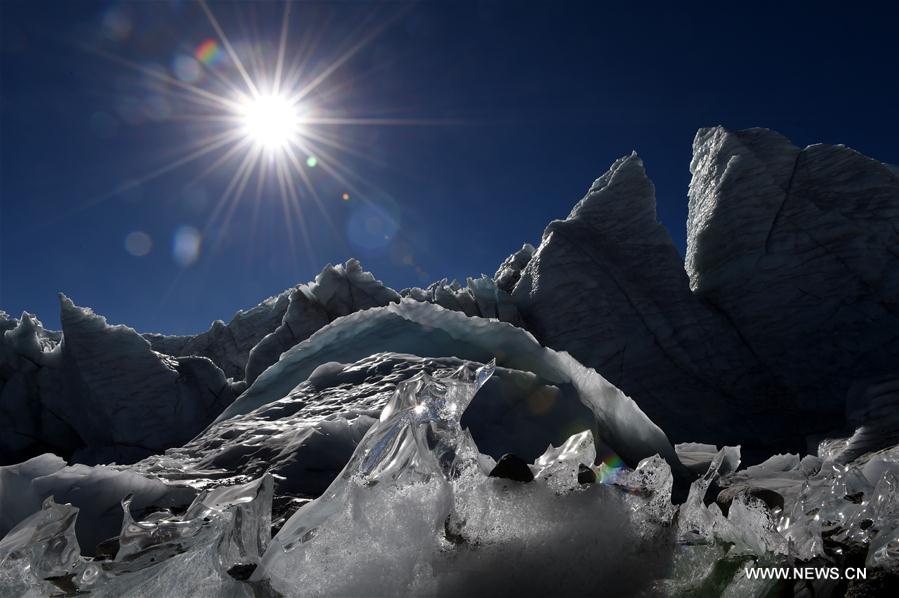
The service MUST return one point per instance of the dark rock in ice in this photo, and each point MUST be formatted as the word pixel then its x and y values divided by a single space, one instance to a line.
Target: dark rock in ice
pixel 513 467
pixel 585 475
pixel 242 571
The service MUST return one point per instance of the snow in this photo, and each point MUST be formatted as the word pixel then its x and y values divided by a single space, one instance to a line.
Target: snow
pixel 228 345
pixel 254 338
pixel 481 297
pixel 336 291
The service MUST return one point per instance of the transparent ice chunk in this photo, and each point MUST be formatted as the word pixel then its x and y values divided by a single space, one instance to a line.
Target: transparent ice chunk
pixel 696 522
pixel 558 467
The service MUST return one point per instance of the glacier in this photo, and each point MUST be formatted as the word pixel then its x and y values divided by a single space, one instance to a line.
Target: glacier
pixel 600 416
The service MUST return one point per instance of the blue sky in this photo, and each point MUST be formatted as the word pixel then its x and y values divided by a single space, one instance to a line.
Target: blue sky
pixel 524 105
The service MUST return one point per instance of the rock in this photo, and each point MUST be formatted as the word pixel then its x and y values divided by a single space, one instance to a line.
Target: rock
pixel 512 467
pixel 585 475
pixel 242 571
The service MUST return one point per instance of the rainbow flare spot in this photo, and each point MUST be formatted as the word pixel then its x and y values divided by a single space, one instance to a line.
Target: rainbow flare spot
pixel 208 52
pixel 611 465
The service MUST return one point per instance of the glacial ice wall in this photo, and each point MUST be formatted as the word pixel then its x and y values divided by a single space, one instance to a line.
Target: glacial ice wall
pixel 100 392
pixel 608 286
pixel 798 248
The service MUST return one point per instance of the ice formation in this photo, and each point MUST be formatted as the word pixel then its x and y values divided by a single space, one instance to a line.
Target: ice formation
pixel 100 393
pixel 608 286
pixel 414 512
pixel 430 331
pixel 481 297
pixel 255 338
pixel 797 248
pixel 341 438
pixel 306 437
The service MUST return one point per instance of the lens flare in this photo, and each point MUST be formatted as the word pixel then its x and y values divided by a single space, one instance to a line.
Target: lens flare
pixel 186 245
pixel 138 243
pixel 208 52
pixel 610 468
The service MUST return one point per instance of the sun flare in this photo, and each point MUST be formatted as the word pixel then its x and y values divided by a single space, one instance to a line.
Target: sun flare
pixel 271 112
pixel 271 121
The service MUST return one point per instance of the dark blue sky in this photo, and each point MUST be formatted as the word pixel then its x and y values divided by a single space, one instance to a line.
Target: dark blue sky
pixel 538 99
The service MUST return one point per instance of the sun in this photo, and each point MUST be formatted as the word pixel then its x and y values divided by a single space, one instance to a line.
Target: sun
pixel 270 121
pixel 276 117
